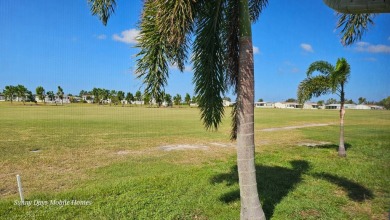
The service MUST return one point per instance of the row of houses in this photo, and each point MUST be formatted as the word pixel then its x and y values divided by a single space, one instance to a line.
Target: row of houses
pixel 285 105
pixel 312 105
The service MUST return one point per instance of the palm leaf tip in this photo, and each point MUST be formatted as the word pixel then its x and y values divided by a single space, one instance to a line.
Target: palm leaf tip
pixel 102 8
pixel 353 26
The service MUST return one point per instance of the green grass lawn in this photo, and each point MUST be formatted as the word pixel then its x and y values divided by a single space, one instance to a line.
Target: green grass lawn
pixel 112 158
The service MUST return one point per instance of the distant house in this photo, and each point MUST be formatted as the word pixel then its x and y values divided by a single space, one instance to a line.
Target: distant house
pixel 337 106
pixel 227 103
pixel 376 107
pixel 310 105
pixel 369 107
pixel 142 102
pixel 364 107
pixel 291 105
pixel 264 105
pixel 2 97
pixel 88 98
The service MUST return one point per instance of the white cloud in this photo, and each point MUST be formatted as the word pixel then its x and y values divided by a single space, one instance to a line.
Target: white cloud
pixel 101 37
pixel 307 47
pixel 256 50
pixel 127 36
pixel 370 48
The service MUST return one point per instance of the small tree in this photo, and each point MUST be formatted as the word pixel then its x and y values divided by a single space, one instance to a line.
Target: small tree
pixel 121 96
pixel 146 98
pixel 60 94
pixel 30 97
pixel 82 92
pixel 21 92
pixel 331 101
pixel 320 103
pixel 168 99
pixel 50 95
pixel 9 92
pixel 331 80
pixel 177 99
pixel 112 95
pixel 138 95
pixel 385 103
pixel 291 100
pixel 129 97
pixel 361 100
pixel 260 100
pixel 96 94
pixel 41 93
pixel 187 99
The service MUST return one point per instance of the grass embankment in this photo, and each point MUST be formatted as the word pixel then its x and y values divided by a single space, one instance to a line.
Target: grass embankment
pixel 111 157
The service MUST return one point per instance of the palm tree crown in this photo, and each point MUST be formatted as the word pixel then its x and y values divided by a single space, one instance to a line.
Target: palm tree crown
pixel 331 80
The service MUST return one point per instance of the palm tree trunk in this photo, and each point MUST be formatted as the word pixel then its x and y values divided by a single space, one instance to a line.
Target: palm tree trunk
pixel 342 152
pixel 250 203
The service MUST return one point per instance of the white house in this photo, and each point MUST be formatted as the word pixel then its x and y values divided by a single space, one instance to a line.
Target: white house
pixel 88 98
pixel 264 105
pixel 365 107
pixel 369 107
pixel 2 97
pixel 337 106
pixel 287 105
pixel 310 105
pixel 227 103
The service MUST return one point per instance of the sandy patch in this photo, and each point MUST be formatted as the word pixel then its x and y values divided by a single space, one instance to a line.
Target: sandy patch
pixel 313 144
pixel 294 127
pixel 123 152
pixel 222 144
pixel 183 147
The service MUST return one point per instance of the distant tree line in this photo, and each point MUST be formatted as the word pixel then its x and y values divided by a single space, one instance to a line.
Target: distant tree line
pixel 101 95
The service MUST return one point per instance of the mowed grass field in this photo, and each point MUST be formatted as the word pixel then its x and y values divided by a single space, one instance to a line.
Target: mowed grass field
pixel 114 158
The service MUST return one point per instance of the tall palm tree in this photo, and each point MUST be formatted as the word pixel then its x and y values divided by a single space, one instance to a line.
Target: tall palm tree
pixel 331 80
pixel 222 58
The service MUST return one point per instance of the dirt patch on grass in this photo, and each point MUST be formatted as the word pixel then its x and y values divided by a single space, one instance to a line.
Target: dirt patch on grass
pixel 183 147
pixel 313 144
pixel 294 127
pixel 196 146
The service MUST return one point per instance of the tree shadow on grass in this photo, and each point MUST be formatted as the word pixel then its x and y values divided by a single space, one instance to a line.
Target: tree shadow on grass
pixel 274 183
pixel 355 191
pixel 331 146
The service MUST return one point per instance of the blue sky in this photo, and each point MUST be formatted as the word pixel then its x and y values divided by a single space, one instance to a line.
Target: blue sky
pixel 51 43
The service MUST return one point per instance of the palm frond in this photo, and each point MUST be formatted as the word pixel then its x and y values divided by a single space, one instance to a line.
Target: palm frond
pixel 320 66
pixel 231 37
pixel 255 8
pixel 341 74
pixel 175 22
pixel 313 86
pixel 353 26
pixel 163 42
pixel 209 65
pixel 152 65
pixel 102 8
